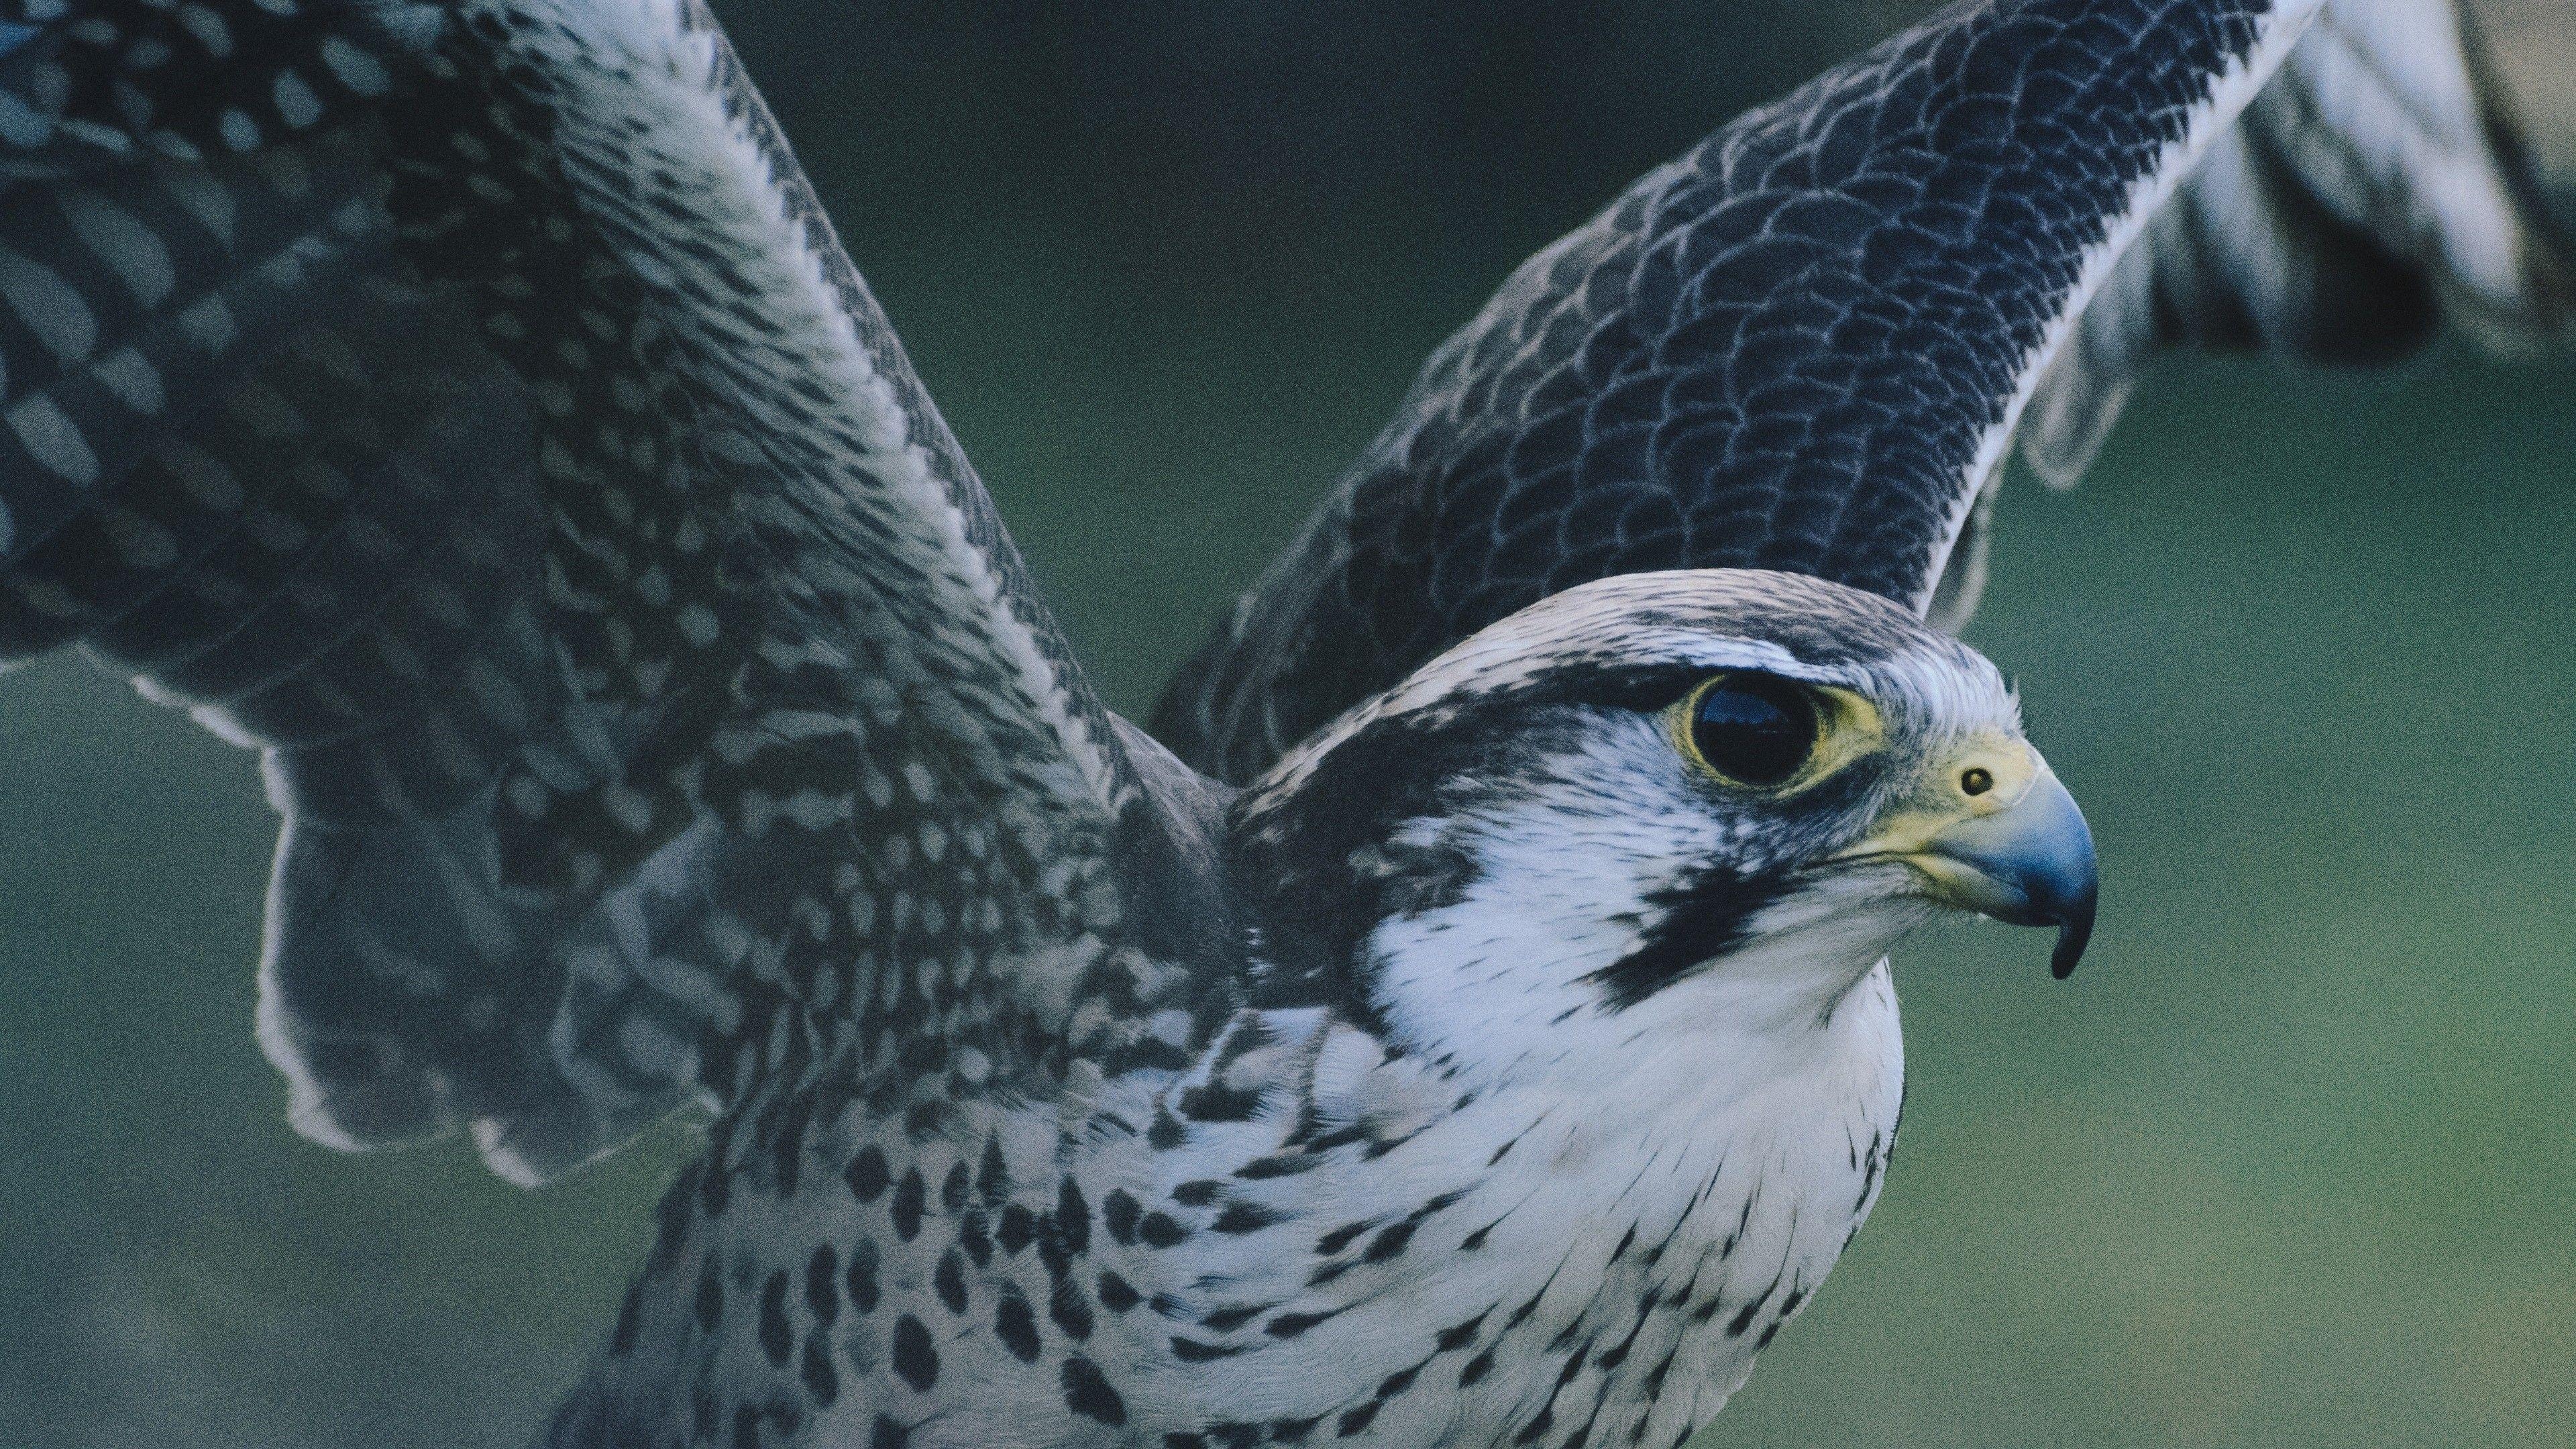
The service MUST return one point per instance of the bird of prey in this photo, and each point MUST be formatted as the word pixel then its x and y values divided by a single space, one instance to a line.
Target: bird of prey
pixel 1489 1041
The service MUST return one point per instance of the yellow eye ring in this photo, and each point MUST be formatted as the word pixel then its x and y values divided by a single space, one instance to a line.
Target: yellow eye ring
pixel 1753 731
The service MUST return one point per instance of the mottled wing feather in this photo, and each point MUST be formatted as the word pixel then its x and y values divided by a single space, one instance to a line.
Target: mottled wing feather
pixel 468 405
pixel 1805 345
pixel 2376 189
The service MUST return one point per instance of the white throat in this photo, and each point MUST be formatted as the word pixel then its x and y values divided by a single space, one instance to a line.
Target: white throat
pixel 1504 984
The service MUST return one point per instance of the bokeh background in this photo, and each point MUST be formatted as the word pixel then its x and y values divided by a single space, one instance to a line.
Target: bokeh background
pixel 2289 1163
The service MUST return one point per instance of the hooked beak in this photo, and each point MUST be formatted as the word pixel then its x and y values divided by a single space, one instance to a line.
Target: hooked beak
pixel 2028 862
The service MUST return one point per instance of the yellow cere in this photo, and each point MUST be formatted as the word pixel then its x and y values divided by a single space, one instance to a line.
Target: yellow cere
pixel 1948 791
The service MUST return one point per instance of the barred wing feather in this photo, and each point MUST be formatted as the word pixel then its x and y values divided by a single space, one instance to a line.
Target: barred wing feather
pixel 467 405
pixel 1809 343
pixel 2377 189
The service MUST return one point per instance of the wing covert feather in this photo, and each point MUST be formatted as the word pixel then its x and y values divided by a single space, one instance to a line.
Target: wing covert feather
pixel 2376 190
pixel 1807 344
pixel 469 406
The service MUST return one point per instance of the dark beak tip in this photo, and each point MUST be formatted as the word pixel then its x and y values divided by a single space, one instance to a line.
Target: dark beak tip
pixel 2032 864
pixel 2074 933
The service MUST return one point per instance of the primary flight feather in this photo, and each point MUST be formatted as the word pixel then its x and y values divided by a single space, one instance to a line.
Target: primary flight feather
pixel 468 405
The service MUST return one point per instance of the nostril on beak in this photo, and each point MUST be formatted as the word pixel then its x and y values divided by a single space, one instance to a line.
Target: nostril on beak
pixel 2030 863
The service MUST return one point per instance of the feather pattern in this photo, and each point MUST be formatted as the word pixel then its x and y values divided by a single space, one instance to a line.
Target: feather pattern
pixel 467 405
pixel 1806 344
pixel 470 407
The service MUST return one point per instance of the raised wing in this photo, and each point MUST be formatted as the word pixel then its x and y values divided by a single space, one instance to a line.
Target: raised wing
pixel 1808 344
pixel 468 405
pixel 2376 188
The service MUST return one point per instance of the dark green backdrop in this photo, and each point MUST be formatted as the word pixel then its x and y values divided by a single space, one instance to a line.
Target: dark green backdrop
pixel 2288 1163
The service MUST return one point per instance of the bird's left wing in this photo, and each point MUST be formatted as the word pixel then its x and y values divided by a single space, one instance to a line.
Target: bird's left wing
pixel 1809 344
pixel 2377 188
pixel 467 404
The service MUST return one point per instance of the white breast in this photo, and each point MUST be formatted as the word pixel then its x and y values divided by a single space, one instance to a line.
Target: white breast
pixel 1611 1248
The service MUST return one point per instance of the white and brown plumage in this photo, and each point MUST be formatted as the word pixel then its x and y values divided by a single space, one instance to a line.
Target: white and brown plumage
pixel 467 404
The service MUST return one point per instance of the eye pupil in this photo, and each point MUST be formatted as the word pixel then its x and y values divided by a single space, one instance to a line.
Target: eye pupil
pixel 1976 780
pixel 1754 729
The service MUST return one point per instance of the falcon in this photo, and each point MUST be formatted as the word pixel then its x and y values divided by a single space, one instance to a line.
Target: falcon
pixel 1479 1031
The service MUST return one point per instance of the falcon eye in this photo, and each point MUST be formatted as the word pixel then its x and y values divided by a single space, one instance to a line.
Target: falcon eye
pixel 1750 729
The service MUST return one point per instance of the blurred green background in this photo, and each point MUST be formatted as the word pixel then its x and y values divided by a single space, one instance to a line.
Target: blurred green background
pixel 2288 1163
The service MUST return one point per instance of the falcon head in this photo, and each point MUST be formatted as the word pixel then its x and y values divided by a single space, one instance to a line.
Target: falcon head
pixel 1709 796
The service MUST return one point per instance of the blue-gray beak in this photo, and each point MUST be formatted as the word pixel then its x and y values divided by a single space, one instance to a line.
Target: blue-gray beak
pixel 2030 864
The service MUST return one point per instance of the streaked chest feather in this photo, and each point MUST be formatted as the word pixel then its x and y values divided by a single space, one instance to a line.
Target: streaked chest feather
pixel 1305 1239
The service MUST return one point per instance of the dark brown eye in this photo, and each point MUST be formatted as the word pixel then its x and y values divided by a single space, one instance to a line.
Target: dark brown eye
pixel 1752 729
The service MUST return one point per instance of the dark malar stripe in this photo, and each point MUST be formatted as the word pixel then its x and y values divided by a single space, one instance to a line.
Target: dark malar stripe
pixel 1704 919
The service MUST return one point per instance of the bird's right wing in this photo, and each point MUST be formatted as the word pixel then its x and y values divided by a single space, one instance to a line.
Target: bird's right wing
pixel 1810 343
pixel 468 405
